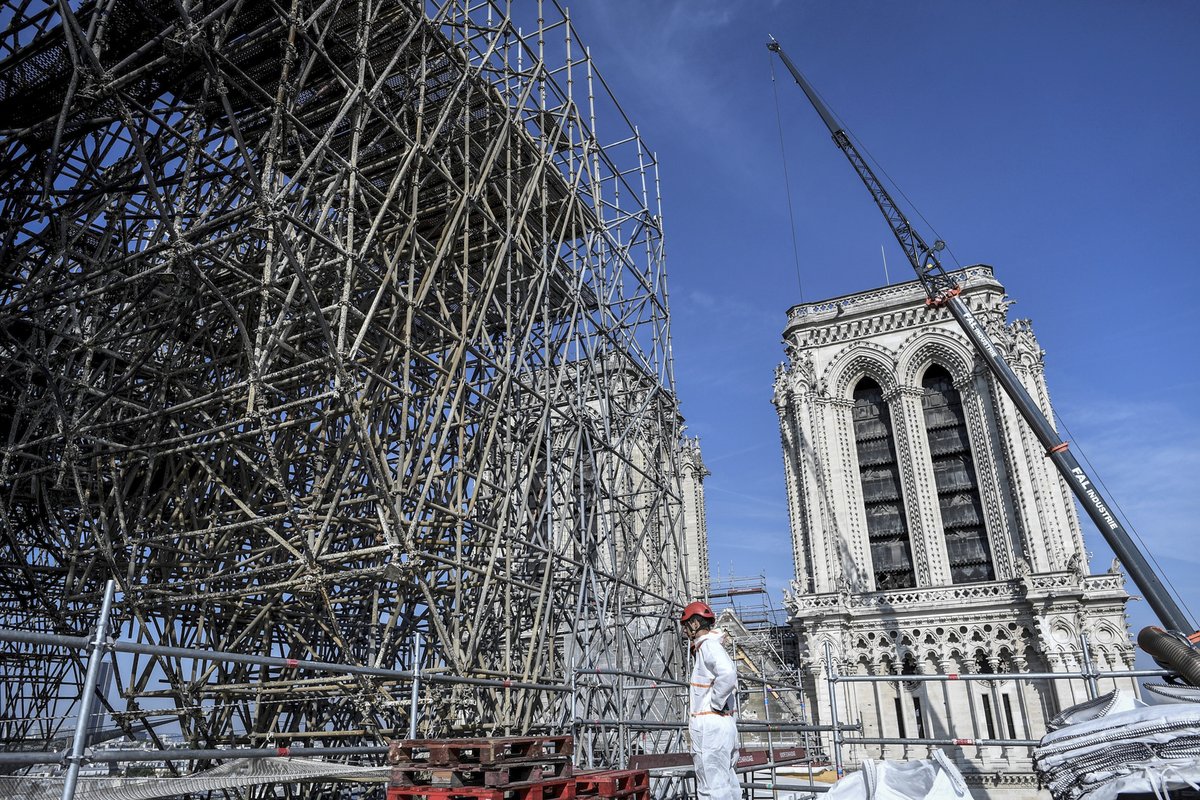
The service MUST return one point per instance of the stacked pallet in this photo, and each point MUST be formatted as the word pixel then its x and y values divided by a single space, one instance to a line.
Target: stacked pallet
pixel 507 768
pixel 613 784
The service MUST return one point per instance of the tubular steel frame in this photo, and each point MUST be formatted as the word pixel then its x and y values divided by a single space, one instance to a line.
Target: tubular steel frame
pixel 323 323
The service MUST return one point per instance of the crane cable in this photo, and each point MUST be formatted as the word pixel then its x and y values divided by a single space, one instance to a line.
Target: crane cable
pixel 863 149
pixel 787 182
pixel 858 143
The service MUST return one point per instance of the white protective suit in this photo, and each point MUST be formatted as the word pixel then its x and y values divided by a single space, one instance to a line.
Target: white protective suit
pixel 712 725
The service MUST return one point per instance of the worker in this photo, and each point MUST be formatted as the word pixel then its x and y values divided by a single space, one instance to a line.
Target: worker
pixel 712 725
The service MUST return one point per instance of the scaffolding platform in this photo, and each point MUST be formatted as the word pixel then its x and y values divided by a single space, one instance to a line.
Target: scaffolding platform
pixel 407 311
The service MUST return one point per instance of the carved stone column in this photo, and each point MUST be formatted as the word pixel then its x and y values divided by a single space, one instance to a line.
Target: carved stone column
pixel 846 535
pixel 920 492
pixel 787 405
pixel 958 700
pixel 1002 530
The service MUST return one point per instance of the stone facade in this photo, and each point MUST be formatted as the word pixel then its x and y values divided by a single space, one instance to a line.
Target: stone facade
pixel 930 533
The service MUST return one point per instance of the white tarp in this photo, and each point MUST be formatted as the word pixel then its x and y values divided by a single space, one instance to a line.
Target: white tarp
pixel 934 778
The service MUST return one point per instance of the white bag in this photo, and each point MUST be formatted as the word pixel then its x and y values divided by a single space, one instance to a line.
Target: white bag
pixel 935 778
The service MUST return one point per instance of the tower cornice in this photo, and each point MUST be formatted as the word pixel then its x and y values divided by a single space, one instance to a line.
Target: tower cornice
pixel 891 308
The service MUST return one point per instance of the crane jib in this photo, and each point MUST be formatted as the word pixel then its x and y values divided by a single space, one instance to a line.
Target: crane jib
pixel 1097 501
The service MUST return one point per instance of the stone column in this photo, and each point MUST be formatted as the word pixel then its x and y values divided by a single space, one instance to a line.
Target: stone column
pixel 1031 716
pixel 920 493
pixel 1003 530
pixel 841 496
pixel 787 406
pixel 935 703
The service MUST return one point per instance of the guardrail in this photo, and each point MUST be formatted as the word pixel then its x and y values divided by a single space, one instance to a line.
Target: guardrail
pixel 100 644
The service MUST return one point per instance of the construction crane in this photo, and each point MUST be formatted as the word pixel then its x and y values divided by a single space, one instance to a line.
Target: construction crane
pixel 943 291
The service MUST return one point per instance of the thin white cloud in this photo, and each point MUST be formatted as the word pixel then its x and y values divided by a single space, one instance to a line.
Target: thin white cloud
pixel 1144 455
pixel 754 448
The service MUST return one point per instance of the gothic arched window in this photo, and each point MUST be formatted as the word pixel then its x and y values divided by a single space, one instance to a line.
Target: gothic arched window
pixel 887 528
pixel 954 476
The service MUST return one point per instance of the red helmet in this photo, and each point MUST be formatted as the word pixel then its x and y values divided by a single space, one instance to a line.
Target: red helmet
pixel 697 609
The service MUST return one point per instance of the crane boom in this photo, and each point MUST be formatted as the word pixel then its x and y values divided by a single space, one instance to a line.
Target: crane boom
pixel 943 290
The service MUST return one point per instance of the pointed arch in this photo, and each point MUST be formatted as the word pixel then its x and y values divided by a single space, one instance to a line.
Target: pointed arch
pixel 949 349
pixel 957 485
pixel 856 361
pixel 879 478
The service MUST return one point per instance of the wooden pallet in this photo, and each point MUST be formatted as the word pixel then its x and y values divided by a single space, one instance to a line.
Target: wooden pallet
pixel 783 754
pixel 559 789
pixel 459 753
pixel 493 775
pixel 613 783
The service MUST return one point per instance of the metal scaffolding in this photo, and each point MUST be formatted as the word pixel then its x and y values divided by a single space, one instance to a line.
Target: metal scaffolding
pixel 322 324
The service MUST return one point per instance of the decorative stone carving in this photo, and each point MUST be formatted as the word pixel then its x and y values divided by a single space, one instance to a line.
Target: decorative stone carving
pixel 803 372
pixel 995 322
pixel 859 360
pixel 949 348
pixel 780 392
pixel 1025 349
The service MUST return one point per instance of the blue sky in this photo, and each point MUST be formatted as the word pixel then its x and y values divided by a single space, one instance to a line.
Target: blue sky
pixel 1054 141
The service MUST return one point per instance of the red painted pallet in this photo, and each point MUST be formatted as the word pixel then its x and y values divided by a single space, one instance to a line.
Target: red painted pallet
pixel 656 760
pixel 559 789
pixel 484 752
pixel 781 754
pixel 613 783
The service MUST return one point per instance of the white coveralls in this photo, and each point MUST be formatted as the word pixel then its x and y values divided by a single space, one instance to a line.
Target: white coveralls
pixel 712 726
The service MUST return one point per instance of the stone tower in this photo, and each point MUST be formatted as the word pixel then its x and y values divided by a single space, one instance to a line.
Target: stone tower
pixel 930 534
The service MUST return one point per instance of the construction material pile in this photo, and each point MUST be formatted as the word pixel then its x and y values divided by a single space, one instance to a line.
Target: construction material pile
pixel 505 768
pixel 1116 744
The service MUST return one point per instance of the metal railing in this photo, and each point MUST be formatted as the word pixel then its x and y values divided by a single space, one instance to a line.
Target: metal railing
pixel 1088 673
pixel 100 644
